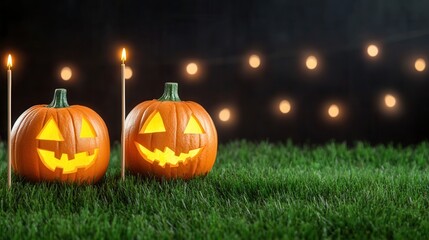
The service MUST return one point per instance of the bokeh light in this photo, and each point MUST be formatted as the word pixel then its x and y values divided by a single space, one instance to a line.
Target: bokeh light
pixel 285 106
pixel 254 61
pixel 225 115
pixel 128 72
pixel 372 50
pixel 420 64
pixel 390 100
pixel 192 68
pixel 311 62
pixel 66 73
pixel 333 111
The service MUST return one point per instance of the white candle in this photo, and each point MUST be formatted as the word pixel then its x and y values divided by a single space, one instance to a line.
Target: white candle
pixel 124 57
pixel 9 121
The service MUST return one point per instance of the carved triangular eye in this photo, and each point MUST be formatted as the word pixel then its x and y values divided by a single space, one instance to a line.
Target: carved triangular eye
pixel 87 131
pixel 193 126
pixel 154 124
pixel 50 131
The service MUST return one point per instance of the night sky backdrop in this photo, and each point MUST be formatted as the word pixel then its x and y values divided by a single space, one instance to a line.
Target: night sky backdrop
pixel 163 36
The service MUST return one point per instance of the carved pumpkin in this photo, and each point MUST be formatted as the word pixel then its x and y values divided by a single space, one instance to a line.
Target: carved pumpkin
pixel 58 142
pixel 170 138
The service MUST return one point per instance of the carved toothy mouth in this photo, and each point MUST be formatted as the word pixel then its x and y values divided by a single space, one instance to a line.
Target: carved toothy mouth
pixel 166 156
pixel 80 160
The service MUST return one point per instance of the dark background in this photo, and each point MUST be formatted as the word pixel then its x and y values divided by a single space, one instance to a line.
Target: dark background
pixel 162 36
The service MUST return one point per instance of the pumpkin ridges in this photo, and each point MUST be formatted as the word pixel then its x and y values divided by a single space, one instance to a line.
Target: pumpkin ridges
pixel 194 164
pixel 208 124
pixel 99 127
pixel 78 110
pixel 59 148
pixel 38 143
pixel 132 158
pixel 32 132
pixel 19 141
pixel 74 139
pixel 174 137
pixel 130 131
pixel 34 115
pixel 14 132
pixel 19 122
pixel 187 166
pixel 155 105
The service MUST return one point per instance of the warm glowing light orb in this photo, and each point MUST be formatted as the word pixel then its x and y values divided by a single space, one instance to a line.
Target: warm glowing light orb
pixel 192 68
pixel 254 61
pixel 225 115
pixel 372 50
pixel 389 101
pixel 311 62
pixel 284 106
pixel 66 73
pixel 420 64
pixel 333 111
pixel 124 55
pixel 9 61
pixel 128 72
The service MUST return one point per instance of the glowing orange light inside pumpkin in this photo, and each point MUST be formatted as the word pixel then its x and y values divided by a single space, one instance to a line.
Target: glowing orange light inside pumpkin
pixel 51 132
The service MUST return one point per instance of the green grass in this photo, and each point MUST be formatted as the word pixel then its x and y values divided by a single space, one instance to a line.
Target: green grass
pixel 255 190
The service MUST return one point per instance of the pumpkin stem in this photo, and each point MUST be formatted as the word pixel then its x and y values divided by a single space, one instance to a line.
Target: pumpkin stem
pixel 60 99
pixel 170 92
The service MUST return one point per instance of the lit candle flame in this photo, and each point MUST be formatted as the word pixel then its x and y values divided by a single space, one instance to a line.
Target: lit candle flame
pixel 124 55
pixel 9 61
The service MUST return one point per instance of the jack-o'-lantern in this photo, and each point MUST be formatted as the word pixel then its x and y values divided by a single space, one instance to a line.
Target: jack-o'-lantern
pixel 58 142
pixel 170 138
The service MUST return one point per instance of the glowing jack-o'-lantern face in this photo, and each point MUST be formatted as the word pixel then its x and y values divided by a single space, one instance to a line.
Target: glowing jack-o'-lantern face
pixel 170 138
pixel 58 142
pixel 51 132
pixel 155 124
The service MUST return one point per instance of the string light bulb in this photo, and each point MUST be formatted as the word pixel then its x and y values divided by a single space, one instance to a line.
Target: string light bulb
pixel 254 61
pixel 420 65
pixel 372 50
pixel 66 73
pixel 285 106
pixel 192 68
pixel 390 100
pixel 311 62
pixel 225 115
pixel 333 111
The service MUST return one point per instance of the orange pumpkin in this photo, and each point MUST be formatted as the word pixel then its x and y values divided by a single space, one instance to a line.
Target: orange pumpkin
pixel 58 142
pixel 170 138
